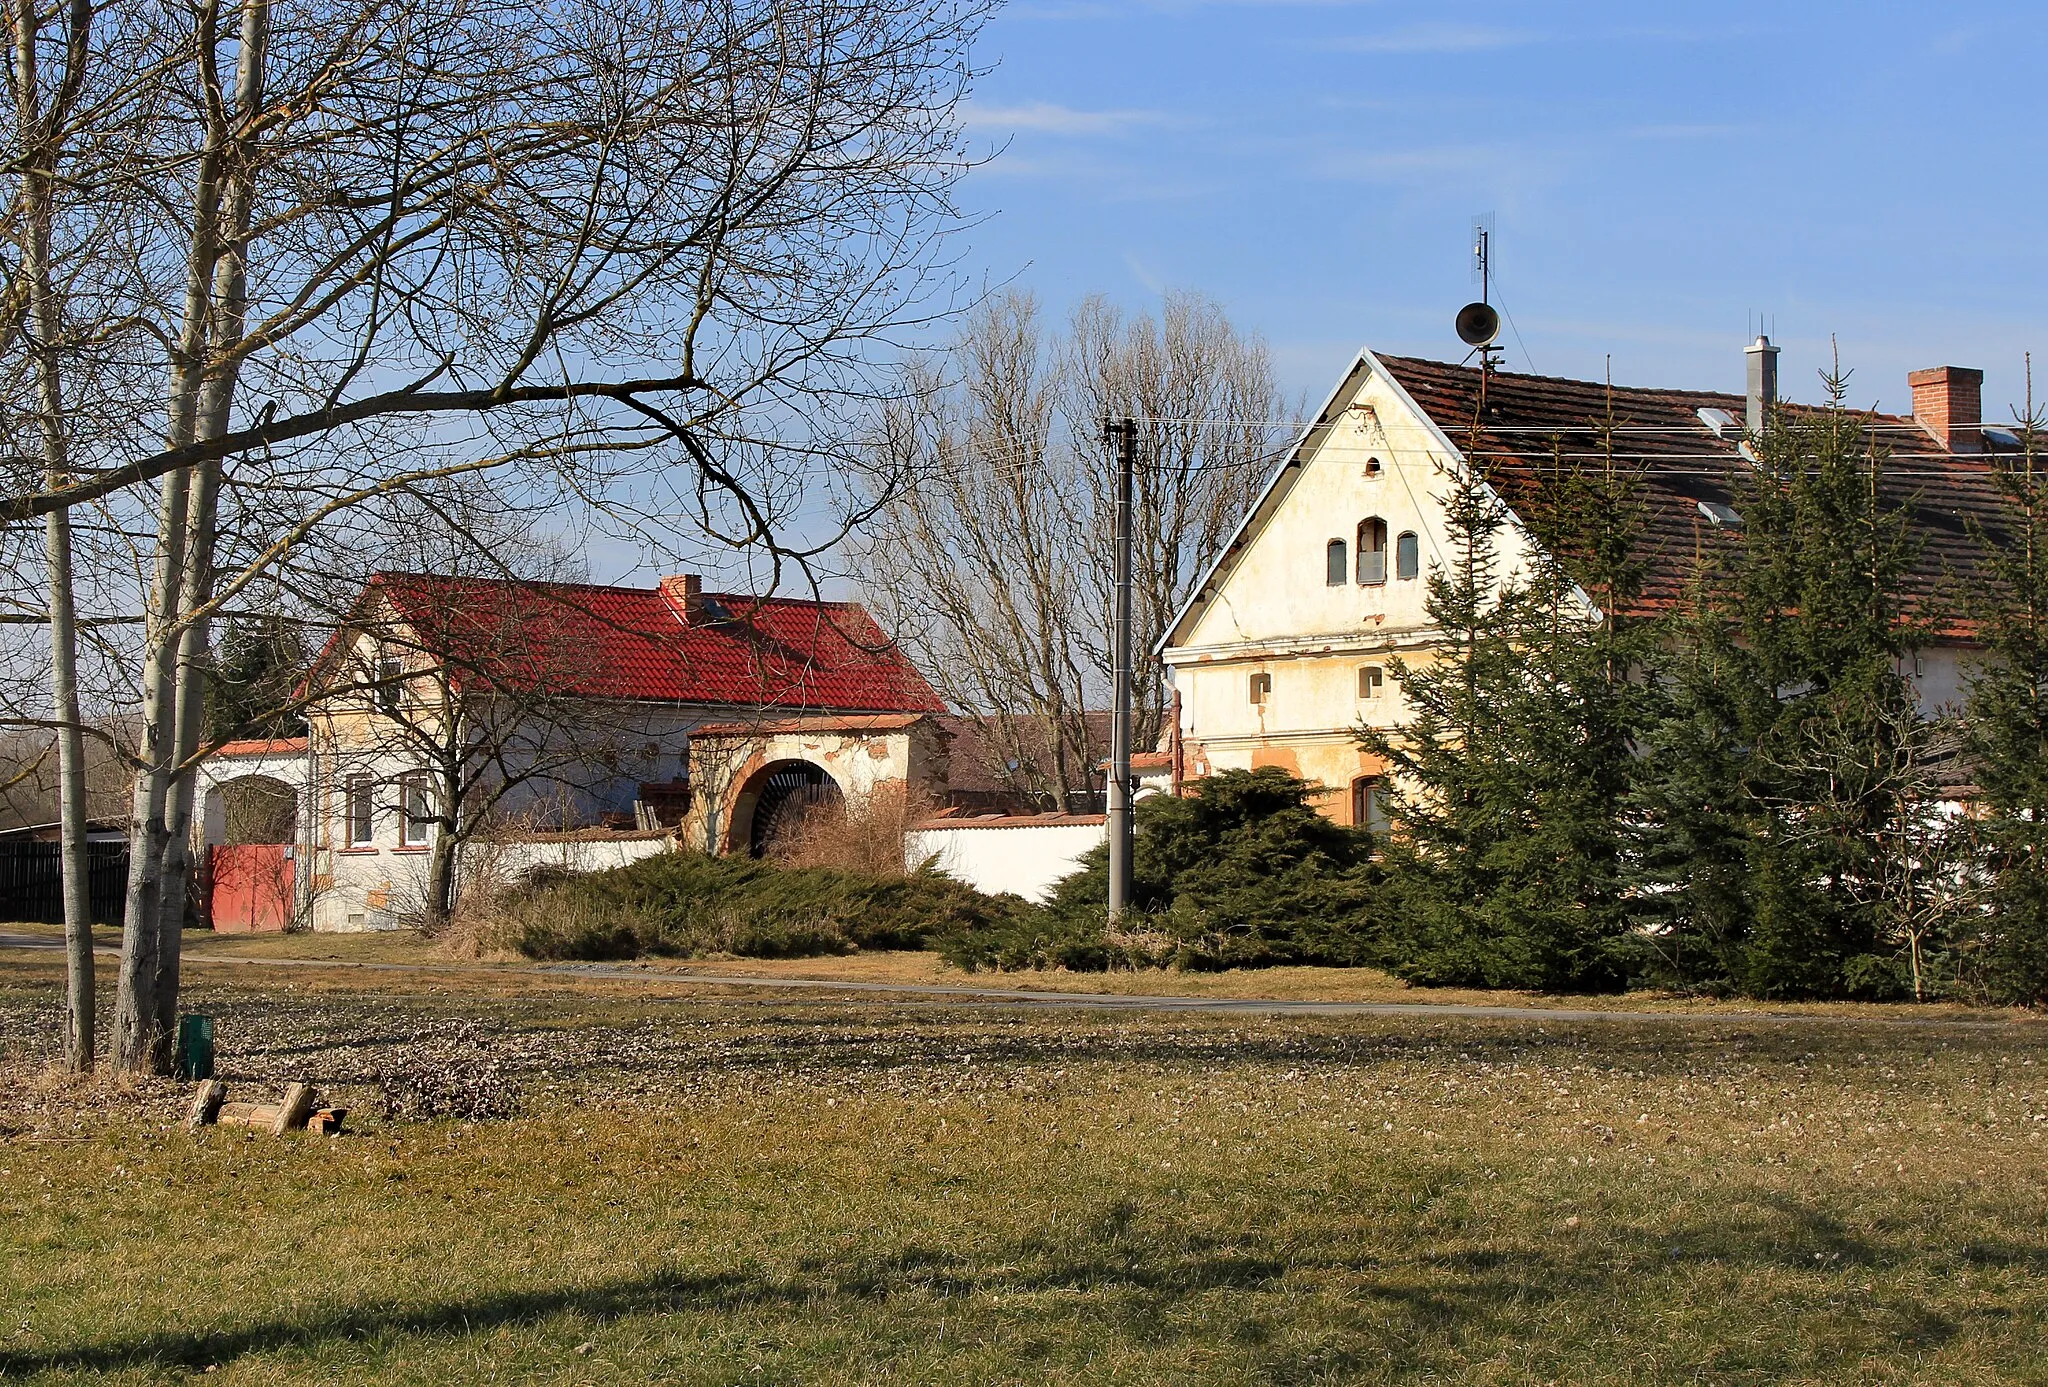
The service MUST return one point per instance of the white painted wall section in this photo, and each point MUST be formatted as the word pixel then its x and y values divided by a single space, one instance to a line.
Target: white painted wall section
pixel 1023 857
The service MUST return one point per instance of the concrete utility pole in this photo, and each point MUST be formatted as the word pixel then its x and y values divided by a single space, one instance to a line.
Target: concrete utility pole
pixel 1123 436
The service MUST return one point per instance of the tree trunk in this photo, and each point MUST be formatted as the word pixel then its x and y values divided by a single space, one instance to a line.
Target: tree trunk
pixel 46 326
pixel 80 1001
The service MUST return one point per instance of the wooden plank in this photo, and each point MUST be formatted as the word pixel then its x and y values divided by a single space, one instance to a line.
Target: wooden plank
pixel 293 1112
pixel 207 1101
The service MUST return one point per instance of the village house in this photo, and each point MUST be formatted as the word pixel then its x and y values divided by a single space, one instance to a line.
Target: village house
pixel 588 724
pixel 1283 650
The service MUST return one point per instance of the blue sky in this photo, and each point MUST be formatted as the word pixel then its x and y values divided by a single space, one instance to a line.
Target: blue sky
pixel 1660 175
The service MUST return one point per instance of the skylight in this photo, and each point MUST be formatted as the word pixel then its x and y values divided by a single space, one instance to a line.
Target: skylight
pixel 1718 420
pixel 1720 515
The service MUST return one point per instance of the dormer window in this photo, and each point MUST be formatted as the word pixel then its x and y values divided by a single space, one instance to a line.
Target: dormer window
pixel 1261 688
pixel 1336 563
pixel 1372 551
pixel 1407 556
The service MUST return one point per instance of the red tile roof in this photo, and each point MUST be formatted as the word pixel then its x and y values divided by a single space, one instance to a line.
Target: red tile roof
pixel 1683 463
pixel 582 640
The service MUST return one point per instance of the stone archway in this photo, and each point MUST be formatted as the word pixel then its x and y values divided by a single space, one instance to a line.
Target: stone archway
pixel 250 868
pixel 253 809
pixel 774 798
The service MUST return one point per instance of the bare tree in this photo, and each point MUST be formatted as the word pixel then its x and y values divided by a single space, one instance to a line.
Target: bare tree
pixel 992 560
pixel 652 240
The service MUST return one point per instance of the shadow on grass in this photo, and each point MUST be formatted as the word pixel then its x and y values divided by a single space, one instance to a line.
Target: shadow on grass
pixel 1135 1274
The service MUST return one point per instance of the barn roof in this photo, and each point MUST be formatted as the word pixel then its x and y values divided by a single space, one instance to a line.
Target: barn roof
pixel 1683 463
pixel 651 644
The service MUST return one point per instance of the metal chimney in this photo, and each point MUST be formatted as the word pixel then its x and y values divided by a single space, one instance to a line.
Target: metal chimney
pixel 1763 381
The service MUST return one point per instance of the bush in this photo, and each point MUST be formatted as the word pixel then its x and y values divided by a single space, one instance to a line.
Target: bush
pixel 1242 872
pixel 688 904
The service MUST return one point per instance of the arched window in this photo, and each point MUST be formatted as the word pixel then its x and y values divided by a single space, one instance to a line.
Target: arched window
pixel 1337 563
pixel 1368 804
pixel 1407 555
pixel 1370 680
pixel 1261 687
pixel 1372 550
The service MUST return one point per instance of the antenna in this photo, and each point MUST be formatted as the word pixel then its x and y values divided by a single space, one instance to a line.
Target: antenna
pixel 1479 323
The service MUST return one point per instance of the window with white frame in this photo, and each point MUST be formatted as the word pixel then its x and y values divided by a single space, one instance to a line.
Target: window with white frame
pixel 416 806
pixel 359 808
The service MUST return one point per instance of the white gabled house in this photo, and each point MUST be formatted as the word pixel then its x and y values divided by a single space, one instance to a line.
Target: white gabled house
pixel 1283 649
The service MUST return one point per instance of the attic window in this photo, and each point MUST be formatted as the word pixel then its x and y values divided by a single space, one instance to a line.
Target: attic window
pixel 1720 516
pixel 1718 421
pixel 1372 551
pixel 1261 688
pixel 390 670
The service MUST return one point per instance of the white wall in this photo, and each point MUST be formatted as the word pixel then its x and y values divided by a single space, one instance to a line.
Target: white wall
pixel 1014 855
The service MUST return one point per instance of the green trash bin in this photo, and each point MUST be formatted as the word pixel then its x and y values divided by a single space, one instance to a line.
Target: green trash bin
pixel 195 1047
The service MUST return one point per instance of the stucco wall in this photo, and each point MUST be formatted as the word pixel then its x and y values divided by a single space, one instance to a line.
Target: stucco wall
pixel 1015 855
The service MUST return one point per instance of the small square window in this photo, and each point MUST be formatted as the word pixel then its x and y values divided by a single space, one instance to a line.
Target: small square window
pixel 1370 680
pixel 1261 687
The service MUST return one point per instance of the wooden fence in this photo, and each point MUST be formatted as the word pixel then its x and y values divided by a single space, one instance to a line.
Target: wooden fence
pixel 32 881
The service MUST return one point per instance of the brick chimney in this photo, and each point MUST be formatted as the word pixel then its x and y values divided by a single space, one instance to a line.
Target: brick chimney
pixel 685 593
pixel 1948 401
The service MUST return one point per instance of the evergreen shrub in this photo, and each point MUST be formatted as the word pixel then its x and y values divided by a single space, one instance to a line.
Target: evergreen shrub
pixel 690 904
pixel 1241 872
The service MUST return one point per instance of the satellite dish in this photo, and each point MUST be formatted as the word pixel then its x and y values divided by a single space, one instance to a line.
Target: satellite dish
pixel 1478 324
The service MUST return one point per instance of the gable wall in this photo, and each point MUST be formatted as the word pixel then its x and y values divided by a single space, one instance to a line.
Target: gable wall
pixel 1275 612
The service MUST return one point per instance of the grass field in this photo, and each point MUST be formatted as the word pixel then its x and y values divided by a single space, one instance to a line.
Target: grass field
pixel 757 1191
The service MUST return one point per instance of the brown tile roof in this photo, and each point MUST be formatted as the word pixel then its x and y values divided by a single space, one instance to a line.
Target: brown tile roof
pixel 1685 464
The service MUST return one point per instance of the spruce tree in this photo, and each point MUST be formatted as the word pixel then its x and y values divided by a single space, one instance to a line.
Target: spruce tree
pixel 1509 861
pixel 1792 749
pixel 250 685
pixel 2008 721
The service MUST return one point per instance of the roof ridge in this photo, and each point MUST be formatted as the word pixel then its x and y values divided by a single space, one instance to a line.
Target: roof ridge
pixel 541 583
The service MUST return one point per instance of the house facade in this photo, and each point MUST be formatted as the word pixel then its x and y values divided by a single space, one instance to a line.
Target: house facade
pixel 575 719
pixel 1283 651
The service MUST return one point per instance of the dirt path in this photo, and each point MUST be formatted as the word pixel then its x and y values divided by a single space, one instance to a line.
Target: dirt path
pixel 969 995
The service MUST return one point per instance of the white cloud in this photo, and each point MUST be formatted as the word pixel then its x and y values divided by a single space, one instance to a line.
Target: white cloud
pixel 1048 118
pixel 1690 132
pixel 1436 38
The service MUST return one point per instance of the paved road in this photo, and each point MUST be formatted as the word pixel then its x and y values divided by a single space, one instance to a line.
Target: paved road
pixel 1073 1001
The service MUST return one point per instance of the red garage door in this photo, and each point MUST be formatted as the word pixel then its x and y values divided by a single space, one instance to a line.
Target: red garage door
pixel 252 887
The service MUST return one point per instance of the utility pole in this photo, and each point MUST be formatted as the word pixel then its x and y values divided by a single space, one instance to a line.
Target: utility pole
pixel 1123 436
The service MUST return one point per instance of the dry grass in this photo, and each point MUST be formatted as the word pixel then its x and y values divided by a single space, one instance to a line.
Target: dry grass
pixel 714 1194
pixel 863 835
pixel 505 973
